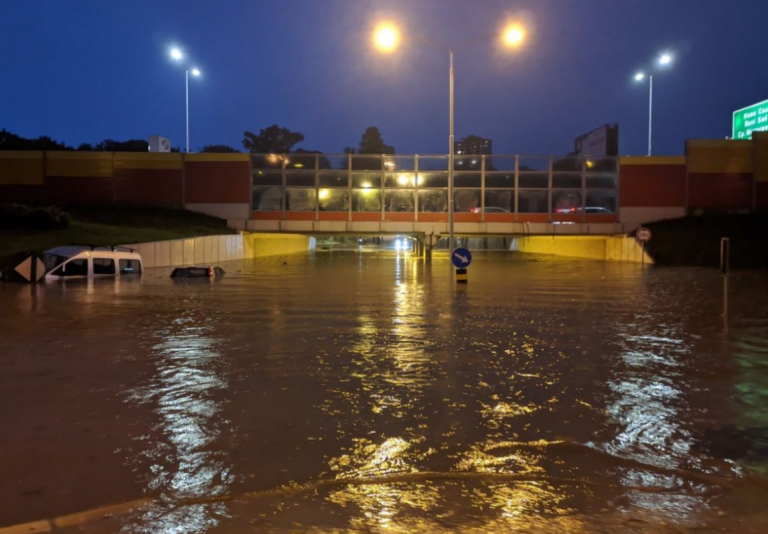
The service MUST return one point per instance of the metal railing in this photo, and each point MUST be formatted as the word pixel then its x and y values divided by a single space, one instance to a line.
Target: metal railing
pixel 409 187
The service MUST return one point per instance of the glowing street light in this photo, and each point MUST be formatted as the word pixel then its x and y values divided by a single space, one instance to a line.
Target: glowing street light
pixel 386 38
pixel 513 36
pixel 664 60
pixel 178 55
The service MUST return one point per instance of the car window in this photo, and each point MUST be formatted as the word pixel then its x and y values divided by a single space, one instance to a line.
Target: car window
pixel 130 267
pixel 103 266
pixel 77 267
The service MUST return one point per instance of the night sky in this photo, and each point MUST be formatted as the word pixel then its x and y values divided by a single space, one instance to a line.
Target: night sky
pixel 82 71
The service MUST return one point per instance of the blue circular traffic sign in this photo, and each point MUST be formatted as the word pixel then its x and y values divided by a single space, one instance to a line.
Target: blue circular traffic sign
pixel 461 258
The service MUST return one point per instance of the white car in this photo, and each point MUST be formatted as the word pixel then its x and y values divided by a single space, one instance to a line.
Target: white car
pixel 84 261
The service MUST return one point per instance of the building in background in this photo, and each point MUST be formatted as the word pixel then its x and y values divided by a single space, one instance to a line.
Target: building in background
pixel 473 144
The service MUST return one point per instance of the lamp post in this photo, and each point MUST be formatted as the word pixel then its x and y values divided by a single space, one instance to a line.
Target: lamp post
pixel 177 55
pixel 663 61
pixel 387 37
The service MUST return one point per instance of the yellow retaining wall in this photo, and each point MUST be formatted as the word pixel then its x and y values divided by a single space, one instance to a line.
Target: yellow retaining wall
pixel 22 168
pixel 208 250
pixel 258 245
pixel 605 248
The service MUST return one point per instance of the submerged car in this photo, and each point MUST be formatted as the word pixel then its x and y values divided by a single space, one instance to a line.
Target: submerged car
pixel 90 261
pixel 73 261
pixel 197 272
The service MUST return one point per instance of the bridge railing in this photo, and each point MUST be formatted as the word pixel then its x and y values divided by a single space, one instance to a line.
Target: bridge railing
pixel 307 186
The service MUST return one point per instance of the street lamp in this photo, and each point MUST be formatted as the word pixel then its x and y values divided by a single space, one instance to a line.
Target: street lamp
pixel 664 60
pixel 177 55
pixel 386 37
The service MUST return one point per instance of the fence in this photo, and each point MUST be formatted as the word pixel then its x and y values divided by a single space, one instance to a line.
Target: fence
pixel 415 188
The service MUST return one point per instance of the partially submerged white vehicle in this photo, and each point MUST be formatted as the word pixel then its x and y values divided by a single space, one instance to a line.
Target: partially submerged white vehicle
pixel 85 261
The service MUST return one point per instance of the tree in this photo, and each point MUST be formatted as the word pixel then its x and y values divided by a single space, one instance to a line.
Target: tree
pixel 132 145
pixel 219 149
pixel 372 143
pixel 322 161
pixel 12 141
pixel 84 147
pixel 272 140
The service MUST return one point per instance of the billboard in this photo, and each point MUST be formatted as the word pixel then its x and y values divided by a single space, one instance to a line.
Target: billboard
pixel 602 141
pixel 750 119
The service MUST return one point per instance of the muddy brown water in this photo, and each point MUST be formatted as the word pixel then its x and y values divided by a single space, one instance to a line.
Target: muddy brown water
pixel 345 392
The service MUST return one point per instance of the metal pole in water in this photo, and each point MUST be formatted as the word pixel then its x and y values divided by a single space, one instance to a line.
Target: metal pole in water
pixel 725 304
pixel 725 255
pixel 450 158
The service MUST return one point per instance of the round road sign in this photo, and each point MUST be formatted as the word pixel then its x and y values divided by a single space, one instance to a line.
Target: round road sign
pixel 643 234
pixel 461 258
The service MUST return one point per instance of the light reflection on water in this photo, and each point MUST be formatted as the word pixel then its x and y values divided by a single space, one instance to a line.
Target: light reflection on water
pixel 185 459
pixel 366 393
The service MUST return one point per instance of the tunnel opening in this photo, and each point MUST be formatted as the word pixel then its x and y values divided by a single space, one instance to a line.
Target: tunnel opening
pixel 409 243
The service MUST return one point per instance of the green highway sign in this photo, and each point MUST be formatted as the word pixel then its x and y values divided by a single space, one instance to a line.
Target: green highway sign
pixel 750 119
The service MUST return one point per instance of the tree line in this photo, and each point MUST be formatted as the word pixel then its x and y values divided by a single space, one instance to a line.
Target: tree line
pixel 271 140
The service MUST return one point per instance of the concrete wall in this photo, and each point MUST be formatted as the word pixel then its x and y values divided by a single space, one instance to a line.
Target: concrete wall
pixel 719 175
pixel 220 248
pixel 632 218
pixel 623 248
pixel 605 248
pixel 217 184
pixel 651 189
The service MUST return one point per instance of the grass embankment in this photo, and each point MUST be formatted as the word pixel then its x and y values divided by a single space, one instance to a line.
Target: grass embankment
pixel 114 226
pixel 695 241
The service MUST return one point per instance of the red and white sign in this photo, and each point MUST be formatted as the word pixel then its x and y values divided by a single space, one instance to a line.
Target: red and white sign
pixel 643 234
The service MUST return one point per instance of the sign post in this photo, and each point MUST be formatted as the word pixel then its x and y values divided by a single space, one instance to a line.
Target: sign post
pixel 430 241
pixel 643 235
pixel 461 258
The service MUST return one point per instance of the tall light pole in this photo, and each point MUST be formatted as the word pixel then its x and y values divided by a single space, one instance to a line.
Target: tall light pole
pixel 387 37
pixel 663 61
pixel 177 55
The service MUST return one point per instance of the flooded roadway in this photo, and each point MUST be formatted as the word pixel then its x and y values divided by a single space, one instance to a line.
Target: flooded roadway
pixel 365 393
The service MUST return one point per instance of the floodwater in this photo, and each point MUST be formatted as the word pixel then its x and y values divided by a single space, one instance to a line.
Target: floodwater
pixel 345 392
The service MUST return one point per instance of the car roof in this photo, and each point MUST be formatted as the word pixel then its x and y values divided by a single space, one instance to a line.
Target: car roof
pixel 69 251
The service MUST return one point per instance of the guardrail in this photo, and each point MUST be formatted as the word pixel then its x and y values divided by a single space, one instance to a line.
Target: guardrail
pixel 309 186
